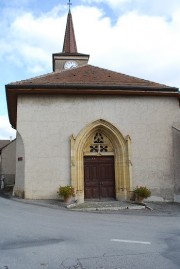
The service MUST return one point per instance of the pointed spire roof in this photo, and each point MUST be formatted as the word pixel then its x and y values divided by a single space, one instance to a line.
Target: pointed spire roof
pixel 69 38
pixel 69 51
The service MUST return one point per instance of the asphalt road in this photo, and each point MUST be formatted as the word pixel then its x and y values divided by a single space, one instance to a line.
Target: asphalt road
pixel 36 237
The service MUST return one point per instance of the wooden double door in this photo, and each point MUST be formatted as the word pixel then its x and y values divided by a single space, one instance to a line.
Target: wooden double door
pixel 99 179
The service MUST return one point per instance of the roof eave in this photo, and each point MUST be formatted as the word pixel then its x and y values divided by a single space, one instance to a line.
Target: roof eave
pixel 91 86
pixel 70 54
pixel 12 91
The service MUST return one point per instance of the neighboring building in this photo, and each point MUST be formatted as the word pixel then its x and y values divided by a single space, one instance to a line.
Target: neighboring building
pixel 3 143
pixel 8 161
pixel 101 131
pixel 176 155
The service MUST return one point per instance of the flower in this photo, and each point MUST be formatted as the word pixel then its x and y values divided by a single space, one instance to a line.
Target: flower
pixel 66 191
pixel 142 191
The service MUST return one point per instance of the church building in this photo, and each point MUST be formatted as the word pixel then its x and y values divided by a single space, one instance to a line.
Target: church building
pixel 101 131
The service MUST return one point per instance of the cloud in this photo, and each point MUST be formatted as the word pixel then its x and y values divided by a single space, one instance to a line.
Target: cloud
pixel 138 44
pixel 112 3
pixel 29 41
pixel 153 7
pixel 6 132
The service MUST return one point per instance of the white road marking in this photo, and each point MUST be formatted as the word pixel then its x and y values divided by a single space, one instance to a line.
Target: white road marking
pixel 131 241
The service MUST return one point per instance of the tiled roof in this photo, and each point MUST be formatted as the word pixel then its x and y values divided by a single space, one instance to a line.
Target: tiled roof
pixel 84 80
pixel 88 75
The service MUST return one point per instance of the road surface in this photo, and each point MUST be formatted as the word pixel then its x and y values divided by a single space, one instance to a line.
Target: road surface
pixel 36 237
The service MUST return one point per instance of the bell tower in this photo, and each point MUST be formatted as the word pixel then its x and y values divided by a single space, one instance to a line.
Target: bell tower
pixel 69 57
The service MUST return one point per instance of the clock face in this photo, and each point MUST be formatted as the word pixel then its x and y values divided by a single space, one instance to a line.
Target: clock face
pixel 70 64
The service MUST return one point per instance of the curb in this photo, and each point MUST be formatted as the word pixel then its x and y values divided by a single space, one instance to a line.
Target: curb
pixel 74 206
pixel 106 208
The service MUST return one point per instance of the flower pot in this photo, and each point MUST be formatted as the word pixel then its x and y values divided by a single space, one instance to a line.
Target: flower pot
pixel 67 199
pixel 139 199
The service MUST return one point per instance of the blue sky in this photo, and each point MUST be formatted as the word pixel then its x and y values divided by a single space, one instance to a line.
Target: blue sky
pixel 136 37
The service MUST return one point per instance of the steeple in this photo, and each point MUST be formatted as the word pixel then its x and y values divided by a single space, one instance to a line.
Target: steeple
pixel 69 58
pixel 69 38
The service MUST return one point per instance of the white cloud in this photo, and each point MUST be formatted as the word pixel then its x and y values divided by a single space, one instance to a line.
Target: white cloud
pixel 160 7
pixel 6 132
pixel 137 44
pixel 112 3
pixel 30 41
pixel 141 43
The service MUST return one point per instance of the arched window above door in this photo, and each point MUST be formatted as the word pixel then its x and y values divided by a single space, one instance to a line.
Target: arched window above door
pixel 98 144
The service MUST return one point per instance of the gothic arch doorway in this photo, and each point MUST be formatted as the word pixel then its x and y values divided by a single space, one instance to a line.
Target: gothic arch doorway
pixel 101 139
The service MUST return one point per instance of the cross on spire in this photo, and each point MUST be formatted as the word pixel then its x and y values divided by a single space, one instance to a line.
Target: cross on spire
pixel 69 4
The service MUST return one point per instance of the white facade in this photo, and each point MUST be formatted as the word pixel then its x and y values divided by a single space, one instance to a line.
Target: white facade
pixel 45 124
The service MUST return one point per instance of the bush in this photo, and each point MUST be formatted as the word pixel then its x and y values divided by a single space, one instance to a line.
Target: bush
pixel 66 191
pixel 142 191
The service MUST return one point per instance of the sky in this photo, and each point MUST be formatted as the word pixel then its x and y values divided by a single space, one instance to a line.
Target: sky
pixel 135 37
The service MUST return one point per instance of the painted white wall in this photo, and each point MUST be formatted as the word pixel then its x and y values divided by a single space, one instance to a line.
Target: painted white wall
pixel 46 123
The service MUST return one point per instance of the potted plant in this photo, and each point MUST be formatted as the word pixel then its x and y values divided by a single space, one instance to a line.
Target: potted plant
pixel 67 192
pixel 141 193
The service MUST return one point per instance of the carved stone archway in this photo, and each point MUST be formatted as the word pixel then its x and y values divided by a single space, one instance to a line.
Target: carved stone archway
pixel 121 152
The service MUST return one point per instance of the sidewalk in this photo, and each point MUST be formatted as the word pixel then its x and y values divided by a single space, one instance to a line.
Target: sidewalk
pixel 106 206
pixel 90 205
pixel 119 207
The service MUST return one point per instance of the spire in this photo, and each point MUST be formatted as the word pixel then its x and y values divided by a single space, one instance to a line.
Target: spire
pixel 69 38
pixel 69 57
